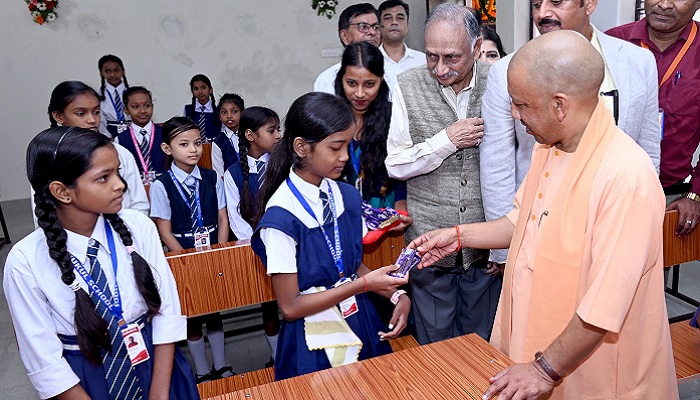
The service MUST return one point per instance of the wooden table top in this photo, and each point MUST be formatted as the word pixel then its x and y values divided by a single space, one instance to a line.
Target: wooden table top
pixel 458 368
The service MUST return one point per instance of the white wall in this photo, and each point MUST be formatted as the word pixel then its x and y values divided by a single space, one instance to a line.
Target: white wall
pixel 267 51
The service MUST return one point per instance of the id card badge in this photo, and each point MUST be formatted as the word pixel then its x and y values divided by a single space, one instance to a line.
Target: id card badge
pixel 135 346
pixel 149 178
pixel 348 306
pixel 201 239
pixel 661 122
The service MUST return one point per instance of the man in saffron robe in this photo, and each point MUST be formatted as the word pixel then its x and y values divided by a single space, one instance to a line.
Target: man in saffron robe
pixel 583 285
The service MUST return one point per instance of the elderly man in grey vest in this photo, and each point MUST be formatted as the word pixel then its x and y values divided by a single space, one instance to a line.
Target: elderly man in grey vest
pixel 433 144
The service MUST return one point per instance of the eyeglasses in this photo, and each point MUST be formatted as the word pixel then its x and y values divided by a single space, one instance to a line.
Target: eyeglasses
pixel 364 27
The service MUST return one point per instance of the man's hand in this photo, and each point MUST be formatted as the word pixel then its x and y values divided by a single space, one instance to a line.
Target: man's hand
pixel 520 381
pixel 466 132
pixel 435 245
pixel 494 268
pixel 688 215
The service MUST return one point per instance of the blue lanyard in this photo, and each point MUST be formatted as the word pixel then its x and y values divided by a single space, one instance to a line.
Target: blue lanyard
pixel 336 250
pixel 120 113
pixel 115 304
pixel 355 154
pixel 184 197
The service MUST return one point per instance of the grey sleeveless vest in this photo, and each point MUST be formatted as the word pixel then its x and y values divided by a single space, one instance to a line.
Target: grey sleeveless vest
pixel 451 194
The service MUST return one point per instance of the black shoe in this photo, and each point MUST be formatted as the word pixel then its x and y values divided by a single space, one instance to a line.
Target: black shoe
pixel 209 376
pixel 219 372
pixel 270 363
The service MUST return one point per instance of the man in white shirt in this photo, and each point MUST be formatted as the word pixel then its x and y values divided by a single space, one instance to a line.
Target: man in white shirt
pixel 631 94
pixel 357 23
pixel 393 15
pixel 433 138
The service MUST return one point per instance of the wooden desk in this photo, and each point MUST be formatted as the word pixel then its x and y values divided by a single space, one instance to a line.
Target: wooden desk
pixel 679 250
pixel 686 347
pixel 230 275
pixel 458 368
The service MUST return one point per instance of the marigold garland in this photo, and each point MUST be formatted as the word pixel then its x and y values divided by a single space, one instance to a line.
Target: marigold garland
pixel 42 10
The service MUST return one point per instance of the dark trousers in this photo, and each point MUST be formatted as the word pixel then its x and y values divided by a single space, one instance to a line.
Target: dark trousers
pixel 450 302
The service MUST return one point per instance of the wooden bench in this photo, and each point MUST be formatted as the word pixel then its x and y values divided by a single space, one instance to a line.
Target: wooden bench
pixel 230 275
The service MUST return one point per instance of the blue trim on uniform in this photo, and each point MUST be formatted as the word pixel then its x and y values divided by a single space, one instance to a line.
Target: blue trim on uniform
pixel 180 211
pixel 228 152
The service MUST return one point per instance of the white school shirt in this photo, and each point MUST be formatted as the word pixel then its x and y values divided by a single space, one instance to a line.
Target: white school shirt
pixel 160 204
pixel 411 58
pixel 238 225
pixel 325 82
pixel 135 197
pixel 42 306
pixel 282 259
pixel 405 159
pixel 217 158
pixel 208 108
pixel 107 111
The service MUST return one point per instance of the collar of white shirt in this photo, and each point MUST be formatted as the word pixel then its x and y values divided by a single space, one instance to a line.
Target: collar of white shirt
pixel 408 53
pixel 307 189
pixel 137 130
pixel 229 133
pixel 120 88
pixel 181 175
pixel 252 162
pixel 77 244
pixel 207 107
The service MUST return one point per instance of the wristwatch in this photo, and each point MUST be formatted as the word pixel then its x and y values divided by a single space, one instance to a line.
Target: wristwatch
pixel 395 297
pixel 539 358
pixel 691 196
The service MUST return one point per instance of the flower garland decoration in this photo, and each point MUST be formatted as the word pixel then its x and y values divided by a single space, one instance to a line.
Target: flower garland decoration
pixel 42 10
pixel 324 7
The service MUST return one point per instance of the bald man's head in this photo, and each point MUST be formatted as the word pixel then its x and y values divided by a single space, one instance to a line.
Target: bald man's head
pixel 554 82
pixel 563 61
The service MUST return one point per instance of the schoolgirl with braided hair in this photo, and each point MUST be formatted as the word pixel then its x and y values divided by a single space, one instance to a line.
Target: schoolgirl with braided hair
pixel 202 110
pixel 75 284
pixel 259 129
pixel 113 83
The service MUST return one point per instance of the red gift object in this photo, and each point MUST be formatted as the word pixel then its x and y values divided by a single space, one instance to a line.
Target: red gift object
pixel 373 236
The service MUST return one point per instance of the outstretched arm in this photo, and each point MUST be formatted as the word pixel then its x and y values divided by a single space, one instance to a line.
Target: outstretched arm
pixel 435 245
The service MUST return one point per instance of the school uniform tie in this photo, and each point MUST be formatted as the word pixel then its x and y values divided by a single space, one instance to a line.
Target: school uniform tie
pixel 260 166
pixel 118 106
pixel 326 207
pixel 143 147
pixel 121 380
pixel 202 124
pixel 190 183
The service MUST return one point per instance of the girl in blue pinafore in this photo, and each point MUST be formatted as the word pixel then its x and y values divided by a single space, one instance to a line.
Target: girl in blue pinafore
pixel 224 149
pixel 310 240
pixel 186 202
pixel 202 110
pixel 90 269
